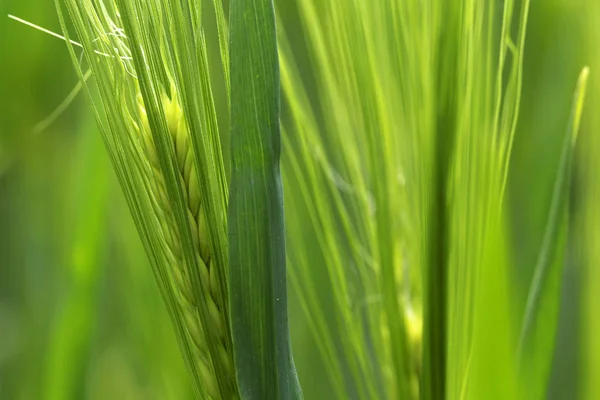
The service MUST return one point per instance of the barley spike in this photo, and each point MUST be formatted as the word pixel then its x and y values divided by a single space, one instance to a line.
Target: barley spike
pixel 206 363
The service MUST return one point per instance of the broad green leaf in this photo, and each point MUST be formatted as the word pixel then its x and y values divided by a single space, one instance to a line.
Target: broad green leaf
pixel 257 256
pixel 540 319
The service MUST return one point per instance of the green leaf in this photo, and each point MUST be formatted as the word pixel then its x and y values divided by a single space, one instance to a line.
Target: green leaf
pixel 540 320
pixel 257 261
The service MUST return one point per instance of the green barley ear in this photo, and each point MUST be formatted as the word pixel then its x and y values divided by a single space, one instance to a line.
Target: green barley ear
pixel 179 275
pixel 151 90
pixel 398 163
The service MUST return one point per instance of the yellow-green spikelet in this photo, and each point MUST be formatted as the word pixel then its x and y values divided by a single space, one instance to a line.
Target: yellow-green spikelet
pixel 413 321
pixel 413 328
pixel 182 289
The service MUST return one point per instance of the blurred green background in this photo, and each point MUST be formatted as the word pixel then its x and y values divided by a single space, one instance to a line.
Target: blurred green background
pixel 80 314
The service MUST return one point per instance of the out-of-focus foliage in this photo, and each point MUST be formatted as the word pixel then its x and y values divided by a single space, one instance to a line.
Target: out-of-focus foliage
pixel 80 314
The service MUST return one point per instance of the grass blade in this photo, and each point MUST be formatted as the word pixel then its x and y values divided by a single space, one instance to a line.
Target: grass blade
pixel 540 320
pixel 257 261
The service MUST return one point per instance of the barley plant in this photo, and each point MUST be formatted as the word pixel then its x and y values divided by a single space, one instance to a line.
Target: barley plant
pixel 395 123
pixel 403 182
pixel 152 94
